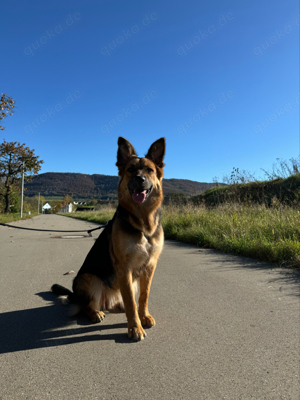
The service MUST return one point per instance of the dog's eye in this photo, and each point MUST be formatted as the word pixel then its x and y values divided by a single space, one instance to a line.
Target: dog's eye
pixel 130 169
pixel 150 170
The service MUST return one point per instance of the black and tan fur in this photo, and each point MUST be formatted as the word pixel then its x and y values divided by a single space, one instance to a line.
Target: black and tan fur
pixel 127 250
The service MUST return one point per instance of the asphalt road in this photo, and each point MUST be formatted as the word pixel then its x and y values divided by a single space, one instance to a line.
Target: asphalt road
pixel 227 327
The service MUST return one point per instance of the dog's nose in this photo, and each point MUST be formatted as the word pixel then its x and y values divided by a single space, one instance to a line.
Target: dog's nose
pixel 139 179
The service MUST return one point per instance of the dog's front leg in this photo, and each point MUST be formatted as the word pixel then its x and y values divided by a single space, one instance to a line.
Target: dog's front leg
pixel 135 329
pixel 145 282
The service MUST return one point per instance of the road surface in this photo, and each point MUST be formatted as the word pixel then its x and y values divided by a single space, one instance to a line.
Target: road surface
pixel 227 326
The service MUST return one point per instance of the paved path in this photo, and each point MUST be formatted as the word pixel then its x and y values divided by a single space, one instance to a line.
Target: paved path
pixel 227 327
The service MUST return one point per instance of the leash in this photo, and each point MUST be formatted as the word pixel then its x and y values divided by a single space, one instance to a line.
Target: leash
pixel 53 230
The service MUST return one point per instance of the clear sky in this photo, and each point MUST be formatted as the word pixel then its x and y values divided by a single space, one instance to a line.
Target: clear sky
pixel 218 79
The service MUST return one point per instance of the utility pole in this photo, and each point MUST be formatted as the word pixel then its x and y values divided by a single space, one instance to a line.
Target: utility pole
pixel 22 189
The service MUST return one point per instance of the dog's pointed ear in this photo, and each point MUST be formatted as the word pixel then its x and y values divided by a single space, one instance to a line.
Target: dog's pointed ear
pixel 125 152
pixel 157 151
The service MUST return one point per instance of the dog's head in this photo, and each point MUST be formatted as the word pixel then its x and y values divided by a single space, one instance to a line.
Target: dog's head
pixel 141 178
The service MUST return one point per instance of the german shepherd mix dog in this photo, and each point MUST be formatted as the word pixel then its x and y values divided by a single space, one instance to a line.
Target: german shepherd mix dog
pixel 127 250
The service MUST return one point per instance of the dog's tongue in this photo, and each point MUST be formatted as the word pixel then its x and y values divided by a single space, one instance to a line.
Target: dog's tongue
pixel 139 197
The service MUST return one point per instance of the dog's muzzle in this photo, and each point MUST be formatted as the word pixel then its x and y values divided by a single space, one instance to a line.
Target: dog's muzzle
pixel 139 189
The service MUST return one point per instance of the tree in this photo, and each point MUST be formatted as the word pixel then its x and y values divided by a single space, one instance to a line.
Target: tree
pixel 7 105
pixel 14 159
pixel 31 203
pixel 15 200
pixel 67 200
pixel 56 206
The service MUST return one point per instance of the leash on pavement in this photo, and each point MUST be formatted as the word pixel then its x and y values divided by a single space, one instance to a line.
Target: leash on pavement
pixel 53 230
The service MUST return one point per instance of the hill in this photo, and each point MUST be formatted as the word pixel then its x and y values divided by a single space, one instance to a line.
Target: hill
pixel 96 186
pixel 280 190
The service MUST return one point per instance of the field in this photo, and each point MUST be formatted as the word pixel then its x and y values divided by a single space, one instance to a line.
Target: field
pixel 266 233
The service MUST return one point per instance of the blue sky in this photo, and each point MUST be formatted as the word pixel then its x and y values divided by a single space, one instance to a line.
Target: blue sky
pixel 219 80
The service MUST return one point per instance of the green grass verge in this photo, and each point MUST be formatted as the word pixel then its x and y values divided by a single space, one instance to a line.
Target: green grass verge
pixel 6 218
pixel 99 217
pixel 268 234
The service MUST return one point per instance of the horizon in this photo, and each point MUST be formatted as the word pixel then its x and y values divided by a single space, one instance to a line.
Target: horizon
pixel 70 172
pixel 114 176
pixel 219 81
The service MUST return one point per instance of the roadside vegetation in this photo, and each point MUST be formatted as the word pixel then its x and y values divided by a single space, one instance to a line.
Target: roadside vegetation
pixel 7 218
pixel 257 219
pixel 99 217
pixel 270 234
pixel 248 217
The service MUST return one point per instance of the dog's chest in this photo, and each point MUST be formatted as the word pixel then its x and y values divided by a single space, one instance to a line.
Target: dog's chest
pixel 145 248
pixel 143 251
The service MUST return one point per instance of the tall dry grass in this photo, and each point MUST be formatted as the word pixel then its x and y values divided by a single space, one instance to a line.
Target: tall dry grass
pixel 270 234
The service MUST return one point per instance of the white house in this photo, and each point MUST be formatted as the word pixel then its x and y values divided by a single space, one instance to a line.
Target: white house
pixel 46 207
pixel 67 208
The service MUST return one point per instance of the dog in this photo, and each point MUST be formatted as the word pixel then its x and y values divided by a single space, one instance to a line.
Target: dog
pixel 127 250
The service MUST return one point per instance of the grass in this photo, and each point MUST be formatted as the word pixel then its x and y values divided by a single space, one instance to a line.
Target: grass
pixel 269 234
pixel 100 217
pixel 6 218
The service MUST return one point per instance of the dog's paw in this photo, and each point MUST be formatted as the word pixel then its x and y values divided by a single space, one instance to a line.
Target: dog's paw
pixel 147 321
pixel 97 316
pixel 136 333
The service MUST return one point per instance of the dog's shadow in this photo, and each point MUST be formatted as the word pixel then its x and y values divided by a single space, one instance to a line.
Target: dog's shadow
pixel 50 326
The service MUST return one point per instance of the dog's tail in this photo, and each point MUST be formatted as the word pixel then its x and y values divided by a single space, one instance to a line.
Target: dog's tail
pixel 66 297
pixel 60 290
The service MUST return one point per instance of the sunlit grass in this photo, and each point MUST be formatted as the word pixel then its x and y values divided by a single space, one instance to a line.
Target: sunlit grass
pixel 100 217
pixel 269 234
pixel 6 218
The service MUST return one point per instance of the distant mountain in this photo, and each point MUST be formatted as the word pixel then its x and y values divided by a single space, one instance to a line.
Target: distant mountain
pixel 82 186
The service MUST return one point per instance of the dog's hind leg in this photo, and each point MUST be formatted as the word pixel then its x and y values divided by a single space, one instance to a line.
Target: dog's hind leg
pixel 88 289
pixel 92 312
pixel 111 300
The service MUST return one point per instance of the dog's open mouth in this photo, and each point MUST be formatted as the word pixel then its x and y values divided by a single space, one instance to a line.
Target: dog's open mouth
pixel 139 196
